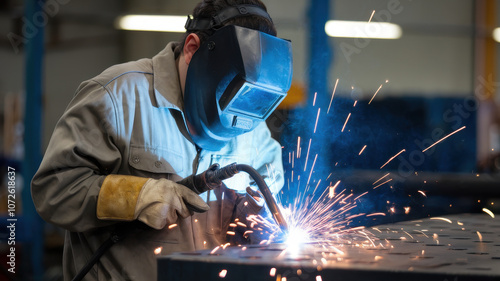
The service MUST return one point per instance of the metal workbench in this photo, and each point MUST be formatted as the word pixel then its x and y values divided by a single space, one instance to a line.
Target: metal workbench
pixel 468 248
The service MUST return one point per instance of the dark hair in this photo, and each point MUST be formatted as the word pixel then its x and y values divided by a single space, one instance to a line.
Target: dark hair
pixel 209 8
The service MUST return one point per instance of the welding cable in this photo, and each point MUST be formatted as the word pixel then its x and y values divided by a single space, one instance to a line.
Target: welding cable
pixel 214 176
pixel 116 236
pixel 268 196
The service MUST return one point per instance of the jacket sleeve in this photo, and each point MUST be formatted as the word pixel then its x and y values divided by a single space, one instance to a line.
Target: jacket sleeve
pixel 80 154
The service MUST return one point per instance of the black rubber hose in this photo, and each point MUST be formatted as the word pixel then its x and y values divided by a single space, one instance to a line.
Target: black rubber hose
pixel 268 196
pixel 115 238
pixel 213 177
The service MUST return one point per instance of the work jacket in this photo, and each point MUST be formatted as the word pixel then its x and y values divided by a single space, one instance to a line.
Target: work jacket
pixel 129 120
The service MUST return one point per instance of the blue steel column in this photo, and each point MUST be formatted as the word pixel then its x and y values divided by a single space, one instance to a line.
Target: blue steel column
pixel 34 52
pixel 319 51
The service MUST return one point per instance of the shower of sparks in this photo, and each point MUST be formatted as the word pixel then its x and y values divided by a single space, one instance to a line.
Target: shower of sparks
pixel 375 93
pixel 321 219
pixel 317 118
pixel 323 212
pixel 333 94
pixel 371 16
pixel 362 149
pixel 393 158
pixel 489 212
pixel 346 122
pixel 172 226
pixel 355 102
pixel 443 219
pixel 452 133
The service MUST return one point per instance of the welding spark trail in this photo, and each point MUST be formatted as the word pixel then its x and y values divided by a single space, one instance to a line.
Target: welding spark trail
pixel 489 212
pixel 382 183
pixel 298 147
pixel 360 196
pixel 346 122
pixel 452 133
pixel 375 94
pixel 373 13
pixel 381 178
pixel 314 191
pixel 376 214
pixel 314 100
pixel 307 156
pixel 312 169
pixel 443 219
pixel 333 94
pixel 317 118
pixel 331 192
pixel 362 149
pixel 393 158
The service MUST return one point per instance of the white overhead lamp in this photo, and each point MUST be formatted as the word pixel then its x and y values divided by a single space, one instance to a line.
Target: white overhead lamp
pixel 151 23
pixel 496 34
pixel 360 29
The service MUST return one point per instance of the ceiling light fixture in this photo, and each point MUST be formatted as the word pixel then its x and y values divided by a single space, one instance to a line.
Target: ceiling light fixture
pixel 360 29
pixel 151 23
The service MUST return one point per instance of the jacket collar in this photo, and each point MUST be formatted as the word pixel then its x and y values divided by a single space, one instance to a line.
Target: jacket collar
pixel 166 79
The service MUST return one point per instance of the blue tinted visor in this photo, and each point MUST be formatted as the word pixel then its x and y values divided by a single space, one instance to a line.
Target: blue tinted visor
pixel 253 101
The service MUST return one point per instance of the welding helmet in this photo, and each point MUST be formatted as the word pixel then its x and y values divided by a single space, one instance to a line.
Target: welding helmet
pixel 234 81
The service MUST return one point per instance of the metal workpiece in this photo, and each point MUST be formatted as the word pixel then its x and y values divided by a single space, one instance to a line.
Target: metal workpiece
pixel 459 247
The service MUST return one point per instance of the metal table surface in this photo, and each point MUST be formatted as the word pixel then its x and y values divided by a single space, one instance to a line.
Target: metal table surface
pixel 454 248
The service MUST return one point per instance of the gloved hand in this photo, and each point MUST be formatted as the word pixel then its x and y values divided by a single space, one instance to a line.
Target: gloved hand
pixel 154 202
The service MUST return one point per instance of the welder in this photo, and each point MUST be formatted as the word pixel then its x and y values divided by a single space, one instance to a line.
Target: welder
pixel 119 153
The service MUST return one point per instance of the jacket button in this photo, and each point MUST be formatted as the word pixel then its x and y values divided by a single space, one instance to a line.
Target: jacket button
pixel 158 164
pixel 136 159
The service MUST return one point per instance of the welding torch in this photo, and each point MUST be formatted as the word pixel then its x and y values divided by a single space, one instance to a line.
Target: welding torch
pixel 213 177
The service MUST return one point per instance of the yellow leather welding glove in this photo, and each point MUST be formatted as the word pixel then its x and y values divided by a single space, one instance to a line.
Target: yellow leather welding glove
pixel 154 202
